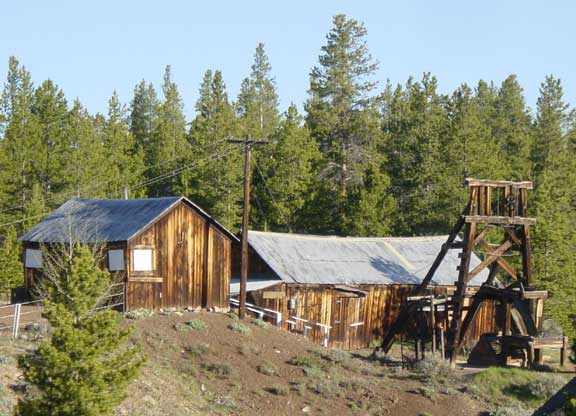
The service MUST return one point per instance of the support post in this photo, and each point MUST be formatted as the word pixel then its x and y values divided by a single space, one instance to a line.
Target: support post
pixel 16 322
pixel 245 217
pixel 433 323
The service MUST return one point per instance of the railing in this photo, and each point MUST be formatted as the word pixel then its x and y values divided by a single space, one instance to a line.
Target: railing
pixel 293 321
pixel 11 319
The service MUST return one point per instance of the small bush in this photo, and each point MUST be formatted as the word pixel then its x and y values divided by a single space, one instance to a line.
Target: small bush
pixel 511 411
pixel 139 314
pixel 197 350
pixel 434 369
pixel 232 315
pixel 260 323
pixel 242 329
pixel 219 370
pixel 307 361
pixel 193 325
pixel 426 391
pixel 267 368
pixel 278 390
pixel 246 349
pixel 324 389
pixel 337 356
pixel 546 386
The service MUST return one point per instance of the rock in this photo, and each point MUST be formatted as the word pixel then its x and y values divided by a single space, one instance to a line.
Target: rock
pixel 306 409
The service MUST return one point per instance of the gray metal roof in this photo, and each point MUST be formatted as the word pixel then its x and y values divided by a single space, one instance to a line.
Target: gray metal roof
pixel 309 259
pixel 94 220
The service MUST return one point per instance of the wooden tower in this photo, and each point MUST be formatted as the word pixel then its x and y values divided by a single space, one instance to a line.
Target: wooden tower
pixel 496 211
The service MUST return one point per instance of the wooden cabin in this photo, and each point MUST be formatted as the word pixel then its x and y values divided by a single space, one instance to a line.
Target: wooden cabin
pixel 354 285
pixel 168 251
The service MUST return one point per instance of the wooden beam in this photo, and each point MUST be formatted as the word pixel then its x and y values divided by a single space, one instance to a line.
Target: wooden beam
pixel 512 234
pixel 526 248
pixel 494 256
pixel 503 220
pixel 501 262
pixel 480 236
pixel 499 184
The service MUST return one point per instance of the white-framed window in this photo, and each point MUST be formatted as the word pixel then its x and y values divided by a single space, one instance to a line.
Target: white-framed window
pixel 142 260
pixel 33 259
pixel 115 260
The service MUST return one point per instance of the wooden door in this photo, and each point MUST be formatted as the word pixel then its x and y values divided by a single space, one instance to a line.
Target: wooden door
pixel 347 322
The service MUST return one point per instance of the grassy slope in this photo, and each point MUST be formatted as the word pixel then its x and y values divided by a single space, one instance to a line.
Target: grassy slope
pixel 213 366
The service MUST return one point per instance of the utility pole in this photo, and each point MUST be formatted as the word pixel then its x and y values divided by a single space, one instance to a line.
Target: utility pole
pixel 248 143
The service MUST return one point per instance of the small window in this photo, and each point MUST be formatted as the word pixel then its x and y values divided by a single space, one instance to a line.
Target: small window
pixel 115 260
pixel 142 260
pixel 33 259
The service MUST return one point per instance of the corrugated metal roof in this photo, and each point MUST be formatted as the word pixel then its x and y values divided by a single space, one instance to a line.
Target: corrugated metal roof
pixel 254 283
pixel 93 220
pixel 308 259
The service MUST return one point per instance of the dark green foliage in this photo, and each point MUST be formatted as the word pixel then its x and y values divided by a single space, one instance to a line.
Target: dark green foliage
pixel 10 264
pixel 359 160
pixel 87 364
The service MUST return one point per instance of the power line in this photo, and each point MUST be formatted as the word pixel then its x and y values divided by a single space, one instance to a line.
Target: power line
pixel 159 178
pixel 91 187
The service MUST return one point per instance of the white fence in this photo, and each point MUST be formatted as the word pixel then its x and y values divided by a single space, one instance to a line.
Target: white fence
pixel 14 316
pixel 292 321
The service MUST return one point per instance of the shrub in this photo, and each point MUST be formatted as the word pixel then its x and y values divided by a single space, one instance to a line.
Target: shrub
pixel 220 370
pixel 242 329
pixel 193 325
pixel 307 361
pixel 139 314
pixel 260 323
pixel 434 369
pixel 267 368
pixel 197 350
pixel 511 411
pixel 337 356
pixel 232 315
pixel 324 388
pixel 546 386
pixel 278 390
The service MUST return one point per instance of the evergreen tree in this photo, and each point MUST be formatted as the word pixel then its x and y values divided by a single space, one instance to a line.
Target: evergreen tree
pixel 86 156
pixel 290 173
pixel 215 181
pixel 124 162
pixel 85 367
pixel 258 99
pixel 21 143
pixel 51 110
pixel 143 118
pixel 342 113
pixel 554 241
pixel 169 139
pixel 415 124
pixel 10 264
pixel 512 130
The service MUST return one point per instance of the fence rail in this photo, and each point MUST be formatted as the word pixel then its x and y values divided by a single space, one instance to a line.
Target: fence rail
pixel 11 314
pixel 293 321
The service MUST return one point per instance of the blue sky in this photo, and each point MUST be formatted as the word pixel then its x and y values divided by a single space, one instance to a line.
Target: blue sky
pixel 91 48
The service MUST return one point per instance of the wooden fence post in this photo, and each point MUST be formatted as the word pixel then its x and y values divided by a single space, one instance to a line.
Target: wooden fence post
pixel 16 322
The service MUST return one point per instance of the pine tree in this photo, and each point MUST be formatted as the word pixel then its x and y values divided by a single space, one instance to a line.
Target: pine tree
pixel 258 99
pixel 415 123
pixel 85 157
pixel 342 114
pixel 51 110
pixel 215 181
pixel 143 118
pixel 10 264
pixel 554 202
pixel 85 367
pixel 124 162
pixel 169 142
pixel 512 130
pixel 290 173
pixel 21 143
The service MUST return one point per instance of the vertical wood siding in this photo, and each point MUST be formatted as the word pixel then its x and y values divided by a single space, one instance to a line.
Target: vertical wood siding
pixel 178 241
pixel 377 311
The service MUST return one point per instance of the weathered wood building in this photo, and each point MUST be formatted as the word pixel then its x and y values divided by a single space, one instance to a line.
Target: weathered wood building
pixel 354 285
pixel 168 251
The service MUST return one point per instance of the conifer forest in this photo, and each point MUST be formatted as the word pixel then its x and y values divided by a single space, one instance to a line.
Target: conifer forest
pixel 361 157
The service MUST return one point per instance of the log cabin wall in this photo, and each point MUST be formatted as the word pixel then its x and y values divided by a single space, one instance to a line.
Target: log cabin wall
pixel 191 263
pixel 376 311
